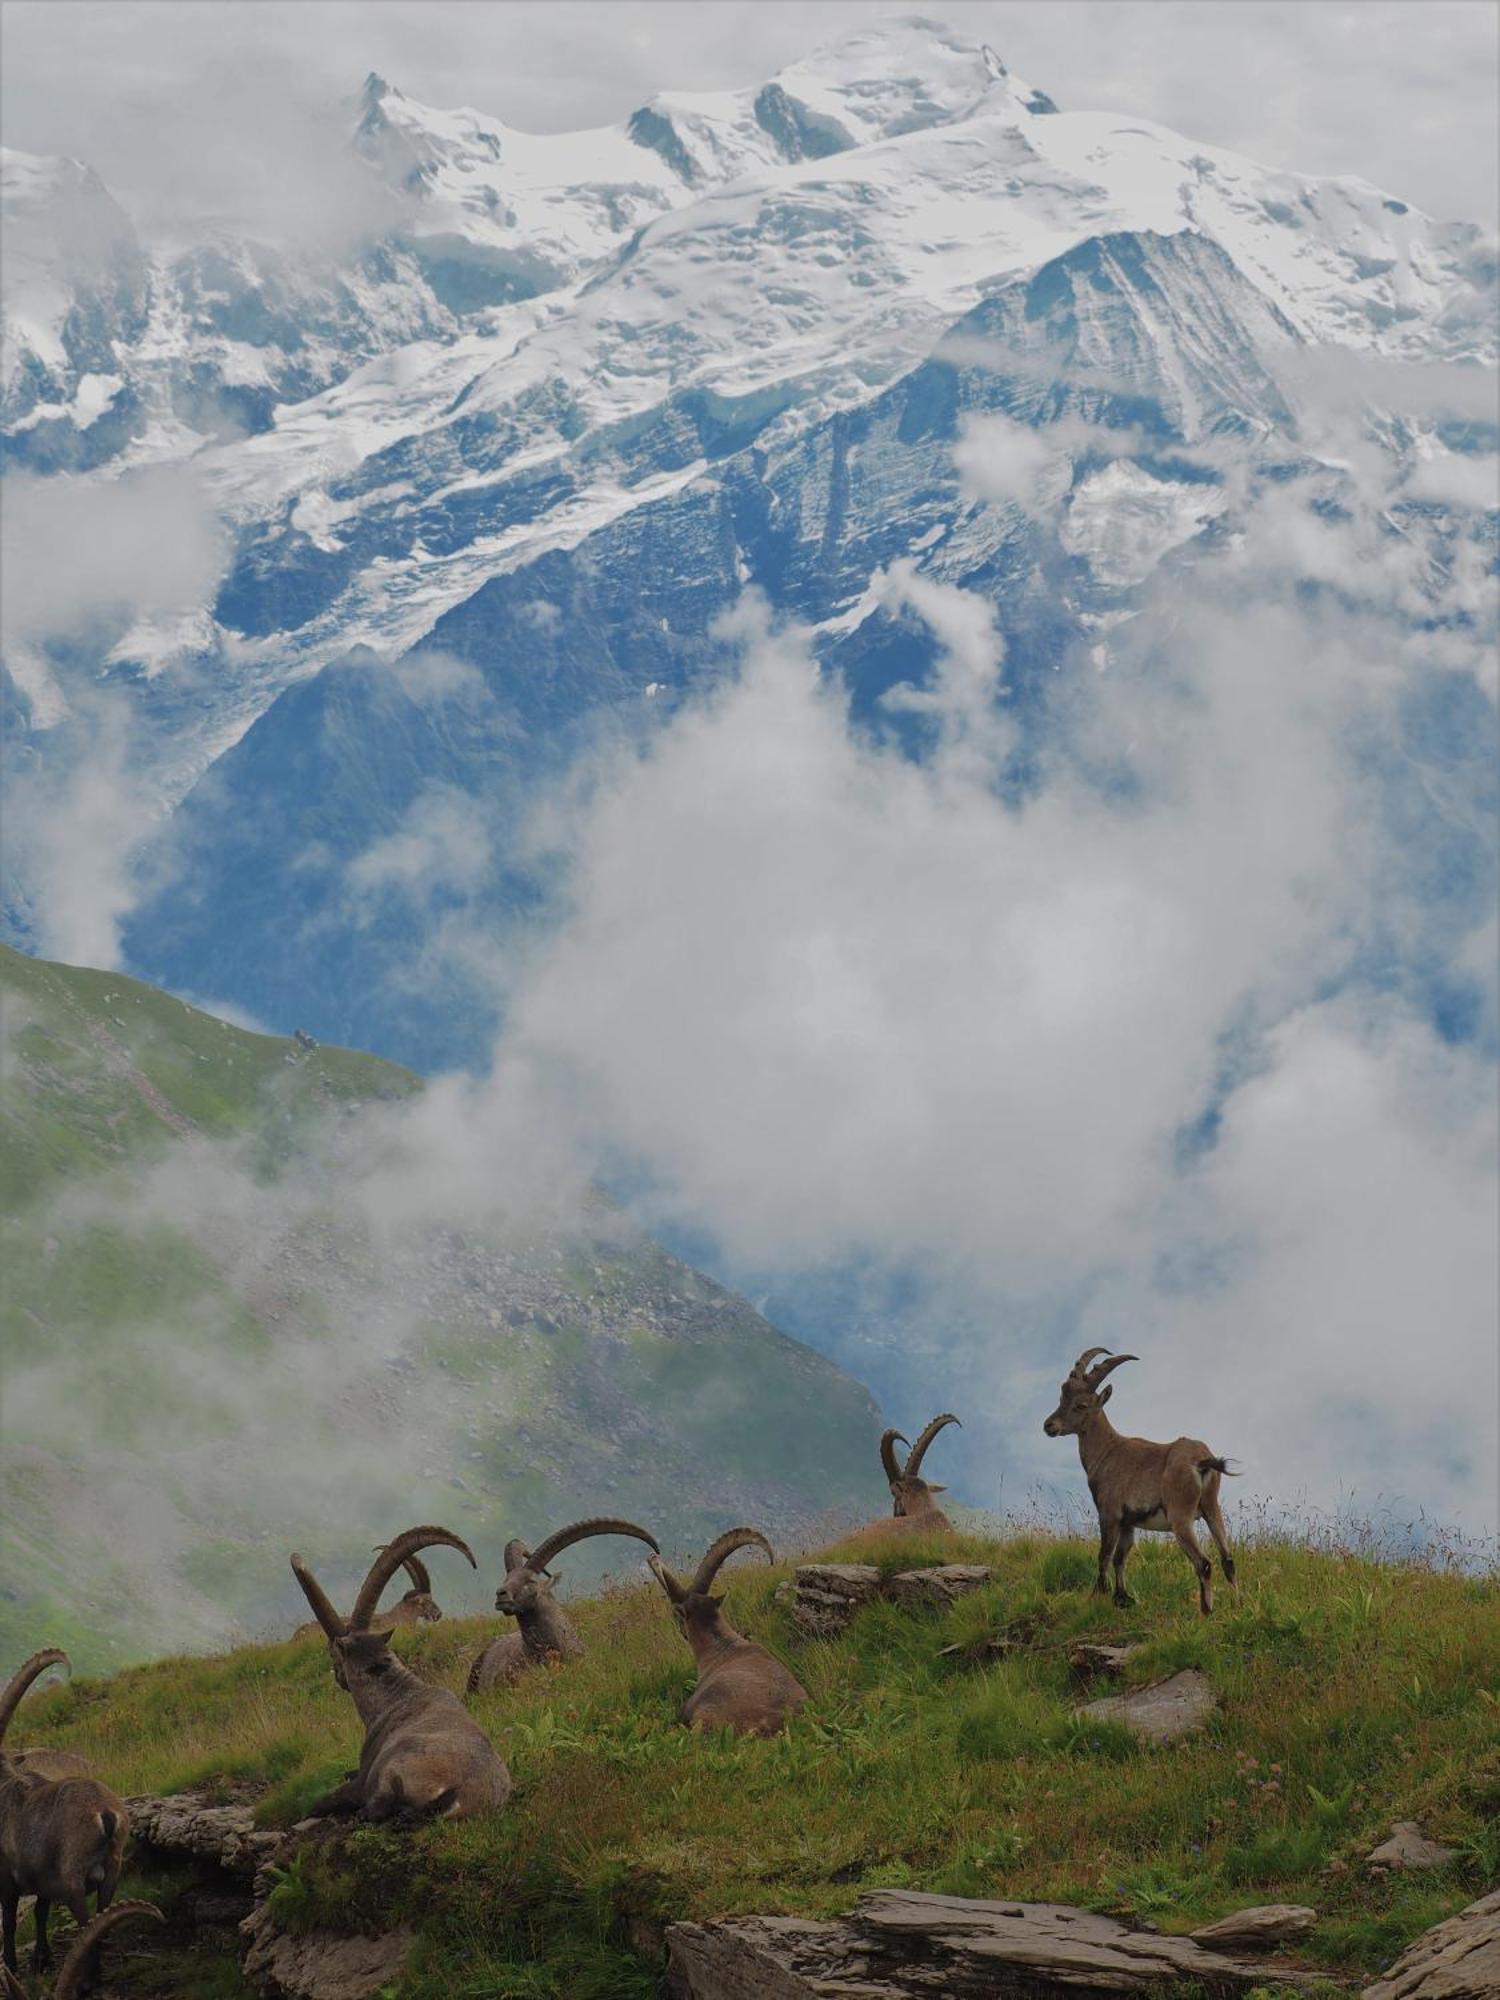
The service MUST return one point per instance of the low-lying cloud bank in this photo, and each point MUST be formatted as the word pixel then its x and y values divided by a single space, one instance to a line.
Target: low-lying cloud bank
pixel 1140 1050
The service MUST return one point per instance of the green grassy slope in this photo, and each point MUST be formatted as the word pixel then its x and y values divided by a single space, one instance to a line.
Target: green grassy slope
pixel 1353 1693
pixel 215 1349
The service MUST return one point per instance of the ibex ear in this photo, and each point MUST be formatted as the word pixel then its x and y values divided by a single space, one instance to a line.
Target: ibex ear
pixel 1106 1392
pixel 937 1489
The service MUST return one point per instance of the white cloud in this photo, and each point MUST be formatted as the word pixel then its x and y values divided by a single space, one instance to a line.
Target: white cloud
pixel 441 846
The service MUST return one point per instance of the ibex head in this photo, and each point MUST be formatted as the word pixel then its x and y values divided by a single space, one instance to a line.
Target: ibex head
pixel 419 1600
pixel 910 1493
pixel 360 1656
pixel 694 1604
pixel 527 1586
pixel 1081 1396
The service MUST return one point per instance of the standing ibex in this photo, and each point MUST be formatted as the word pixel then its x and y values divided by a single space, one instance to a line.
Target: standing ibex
pixel 423 1755
pixel 62 1833
pixel 740 1685
pixel 1137 1484
pixel 546 1631
pixel 38 1763
pixel 914 1510
pixel 83 1957
pixel 417 1607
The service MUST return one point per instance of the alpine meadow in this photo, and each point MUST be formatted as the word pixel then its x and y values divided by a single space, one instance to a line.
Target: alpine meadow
pixel 749 1000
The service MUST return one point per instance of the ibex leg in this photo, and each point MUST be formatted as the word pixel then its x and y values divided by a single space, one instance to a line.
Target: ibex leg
pixel 1203 1569
pixel 1209 1508
pixel 1109 1535
pixel 1123 1545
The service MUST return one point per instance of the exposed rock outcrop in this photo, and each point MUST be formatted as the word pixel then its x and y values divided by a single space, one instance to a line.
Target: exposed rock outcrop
pixel 825 1596
pixel 1458 1959
pixel 1262 1928
pixel 1163 1711
pixel 185 1823
pixel 320 1965
pixel 935 1589
pixel 1409 1847
pixel 900 1945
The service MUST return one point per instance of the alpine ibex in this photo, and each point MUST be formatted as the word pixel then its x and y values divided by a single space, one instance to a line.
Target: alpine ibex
pixel 1136 1484
pixel 914 1510
pixel 423 1755
pixel 417 1607
pixel 60 1840
pixel 38 1763
pixel 83 1957
pixel 546 1631
pixel 740 1685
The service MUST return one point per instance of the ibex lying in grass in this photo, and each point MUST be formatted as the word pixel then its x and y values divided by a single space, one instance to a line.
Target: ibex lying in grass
pixel 546 1631
pixel 740 1685
pixel 83 1958
pixel 914 1510
pixel 417 1607
pixel 423 1755
pixel 38 1763
pixel 1137 1484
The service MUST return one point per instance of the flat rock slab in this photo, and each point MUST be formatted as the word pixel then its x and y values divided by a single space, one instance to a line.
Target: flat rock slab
pixel 1458 1959
pixel 1409 1847
pixel 825 1596
pixel 184 1823
pixel 1163 1711
pixel 901 1945
pixel 1259 1929
pixel 935 1589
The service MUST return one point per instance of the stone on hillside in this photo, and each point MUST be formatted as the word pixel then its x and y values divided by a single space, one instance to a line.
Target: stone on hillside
pixel 320 1965
pixel 1458 1959
pixel 1163 1711
pixel 1409 1847
pixel 825 1596
pixel 1086 1658
pixel 1259 1929
pixel 185 1823
pixel 936 1588
pixel 902 1945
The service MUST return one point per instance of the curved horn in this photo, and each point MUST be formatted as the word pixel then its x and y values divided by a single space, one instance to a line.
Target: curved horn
pixel 888 1454
pixel 723 1548
pixel 87 1941
pixel 919 1449
pixel 21 1679
pixel 1096 1375
pixel 318 1598
pixel 601 1524
pixel 1080 1366
pixel 415 1568
pixel 391 1558
pixel 516 1554
pixel 675 1588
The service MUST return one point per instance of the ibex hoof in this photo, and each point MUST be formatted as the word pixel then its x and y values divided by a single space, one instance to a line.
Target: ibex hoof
pixel 1124 1599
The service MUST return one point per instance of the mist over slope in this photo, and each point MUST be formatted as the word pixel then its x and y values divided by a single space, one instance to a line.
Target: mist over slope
pixel 261 1296
pixel 912 670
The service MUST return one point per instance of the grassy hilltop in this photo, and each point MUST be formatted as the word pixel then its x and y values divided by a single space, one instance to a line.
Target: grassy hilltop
pixel 214 1350
pixel 1353 1693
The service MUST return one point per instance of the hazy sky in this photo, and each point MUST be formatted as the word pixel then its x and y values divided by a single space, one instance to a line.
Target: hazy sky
pixel 176 102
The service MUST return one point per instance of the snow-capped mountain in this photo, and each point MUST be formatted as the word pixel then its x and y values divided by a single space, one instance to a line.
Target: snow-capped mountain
pixel 583 388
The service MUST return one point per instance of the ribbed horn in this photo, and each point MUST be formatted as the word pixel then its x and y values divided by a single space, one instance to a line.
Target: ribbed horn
pixel 1080 1366
pixel 515 1555
pixel 888 1453
pixel 1096 1375
pixel 720 1551
pixel 390 1559
pixel 318 1598
pixel 675 1588
pixel 602 1524
pixel 415 1568
pixel 88 1941
pixel 21 1679
pixel 919 1449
